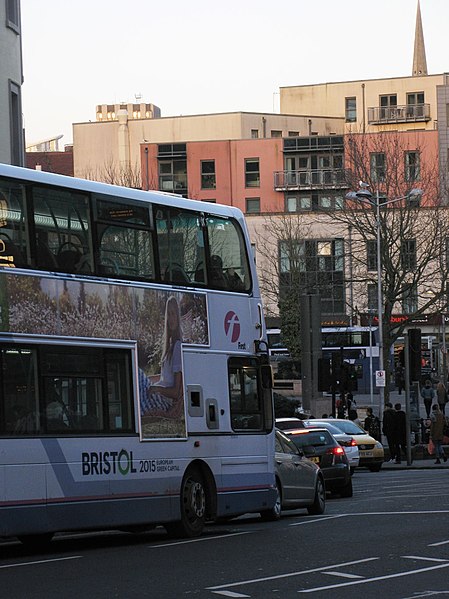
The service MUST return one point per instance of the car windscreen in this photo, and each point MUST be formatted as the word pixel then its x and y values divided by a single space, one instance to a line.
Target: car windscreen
pixel 312 439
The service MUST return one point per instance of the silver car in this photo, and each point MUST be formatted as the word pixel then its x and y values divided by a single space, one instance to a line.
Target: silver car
pixel 299 481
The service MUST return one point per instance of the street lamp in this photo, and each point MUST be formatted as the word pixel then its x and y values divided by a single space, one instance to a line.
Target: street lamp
pixel 365 196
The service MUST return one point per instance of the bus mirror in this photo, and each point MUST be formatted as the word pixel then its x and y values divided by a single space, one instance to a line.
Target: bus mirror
pixel 266 376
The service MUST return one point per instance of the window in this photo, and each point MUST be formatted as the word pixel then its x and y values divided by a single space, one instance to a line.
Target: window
pixel 415 104
pixel 276 133
pixel 412 164
pixel 372 297
pixel 410 299
pixel 14 250
pixel 249 403
pixel 408 254
pixel 252 173
pixel 350 110
pixel 173 175
pixel 378 167
pixel 371 254
pixel 253 205
pixel 13 15
pixel 181 243
pixel 15 124
pixel 62 230
pixel 65 390
pixel 254 133
pixel 208 174
pixel 293 133
pixel 318 267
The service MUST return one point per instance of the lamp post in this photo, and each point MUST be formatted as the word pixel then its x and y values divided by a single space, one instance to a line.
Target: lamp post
pixel 365 196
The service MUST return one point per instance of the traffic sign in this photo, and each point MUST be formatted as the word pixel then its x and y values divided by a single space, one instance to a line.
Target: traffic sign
pixel 380 378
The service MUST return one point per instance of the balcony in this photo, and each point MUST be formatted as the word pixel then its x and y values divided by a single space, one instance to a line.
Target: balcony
pixel 412 113
pixel 310 179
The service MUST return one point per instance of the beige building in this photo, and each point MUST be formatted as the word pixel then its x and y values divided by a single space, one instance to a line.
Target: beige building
pixel 114 139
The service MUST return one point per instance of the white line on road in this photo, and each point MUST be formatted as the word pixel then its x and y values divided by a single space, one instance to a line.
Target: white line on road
pixel 230 594
pixel 375 579
pixel 426 559
pixel 317 520
pixel 41 561
pixel 344 574
pixel 438 544
pixel 290 574
pixel 200 539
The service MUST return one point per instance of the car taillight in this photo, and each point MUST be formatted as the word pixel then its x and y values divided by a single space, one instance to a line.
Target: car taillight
pixel 338 454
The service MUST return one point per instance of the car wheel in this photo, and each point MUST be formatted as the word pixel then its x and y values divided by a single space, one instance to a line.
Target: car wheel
pixel 346 491
pixel 375 467
pixel 193 507
pixel 275 512
pixel 319 502
pixel 352 470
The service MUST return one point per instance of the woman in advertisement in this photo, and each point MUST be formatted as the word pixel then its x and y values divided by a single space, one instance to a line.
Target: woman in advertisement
pixel 163 393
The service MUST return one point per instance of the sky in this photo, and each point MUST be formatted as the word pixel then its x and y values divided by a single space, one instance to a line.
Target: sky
pixel 205 56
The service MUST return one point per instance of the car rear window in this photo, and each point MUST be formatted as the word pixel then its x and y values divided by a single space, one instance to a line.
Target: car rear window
pixel 285 425
pixel 313 439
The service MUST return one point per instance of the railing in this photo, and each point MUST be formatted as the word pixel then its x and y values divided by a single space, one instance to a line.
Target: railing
pixel 399 114
pixel 307 179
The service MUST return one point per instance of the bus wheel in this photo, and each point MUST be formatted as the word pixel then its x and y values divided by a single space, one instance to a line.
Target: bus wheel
pixel 193 507
pixel 36 542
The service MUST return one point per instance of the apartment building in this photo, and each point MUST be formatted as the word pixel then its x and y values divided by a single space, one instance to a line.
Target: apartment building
pixel 11 79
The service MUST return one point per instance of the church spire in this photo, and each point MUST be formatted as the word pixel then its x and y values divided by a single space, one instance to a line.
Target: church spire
pixel 419 53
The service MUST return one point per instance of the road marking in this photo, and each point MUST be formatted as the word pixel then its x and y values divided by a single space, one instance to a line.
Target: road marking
pixel 230 594
pixel 291 574
pixel 200 539
pixel 375 579
pixel 344 575
pixel 317 520
pixel 428 559
pixel 438 544
pixel 41 561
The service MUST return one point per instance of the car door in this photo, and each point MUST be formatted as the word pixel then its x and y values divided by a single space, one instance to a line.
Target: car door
pixel 297 473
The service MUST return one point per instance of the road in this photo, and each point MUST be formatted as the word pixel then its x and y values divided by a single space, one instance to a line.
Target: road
pixel 390 540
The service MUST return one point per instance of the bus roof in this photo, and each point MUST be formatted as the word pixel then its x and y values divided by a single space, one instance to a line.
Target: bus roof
pixel 44 178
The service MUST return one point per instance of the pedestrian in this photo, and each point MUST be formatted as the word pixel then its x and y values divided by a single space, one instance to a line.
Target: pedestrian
pixel 388 428
pixel 400 434
pixel 341 406
pixel 441 396
pixel 428 395
pixel 372 424
pixel 353 415
pixel 437 422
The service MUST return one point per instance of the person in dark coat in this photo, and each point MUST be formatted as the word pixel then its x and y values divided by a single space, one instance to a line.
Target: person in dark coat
pixel 400 434
pixel 389 427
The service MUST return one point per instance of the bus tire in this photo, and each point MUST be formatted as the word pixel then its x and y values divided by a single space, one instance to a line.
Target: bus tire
pixel 193 506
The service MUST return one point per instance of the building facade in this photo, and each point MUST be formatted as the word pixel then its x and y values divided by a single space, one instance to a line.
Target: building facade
pixel 11 79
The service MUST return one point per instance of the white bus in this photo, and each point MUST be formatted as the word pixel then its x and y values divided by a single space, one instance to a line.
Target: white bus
pixel 134 382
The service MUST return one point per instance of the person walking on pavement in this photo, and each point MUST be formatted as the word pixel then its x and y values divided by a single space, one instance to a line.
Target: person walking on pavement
pixel 388 428
pixel 372 424
pixel 428 395
pixel 400 434
pixel 441 396
pixel 437 422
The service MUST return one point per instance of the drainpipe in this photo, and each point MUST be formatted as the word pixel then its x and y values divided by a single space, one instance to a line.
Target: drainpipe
pixel 146 166
pixel 264 127
pixel 363 107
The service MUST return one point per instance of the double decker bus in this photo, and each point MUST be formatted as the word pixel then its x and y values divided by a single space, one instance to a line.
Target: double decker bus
pixel 135 388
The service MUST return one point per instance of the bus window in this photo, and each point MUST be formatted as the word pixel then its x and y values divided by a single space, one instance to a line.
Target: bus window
pixel 181 246
pixel 245 396
pixel 124 238
pixel 61 224
pixel 13 247
pixel 19 399
pixel 228 259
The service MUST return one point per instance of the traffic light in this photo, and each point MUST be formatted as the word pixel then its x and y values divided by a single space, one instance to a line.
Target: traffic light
pixel 414 353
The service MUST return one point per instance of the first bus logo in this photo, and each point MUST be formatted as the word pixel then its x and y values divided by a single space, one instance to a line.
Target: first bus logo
pixel 232 326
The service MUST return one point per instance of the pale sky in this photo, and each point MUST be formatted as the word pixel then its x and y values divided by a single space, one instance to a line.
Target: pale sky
pixel 205 56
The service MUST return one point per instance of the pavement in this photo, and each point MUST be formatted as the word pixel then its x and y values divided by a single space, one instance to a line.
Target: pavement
pixel 421 460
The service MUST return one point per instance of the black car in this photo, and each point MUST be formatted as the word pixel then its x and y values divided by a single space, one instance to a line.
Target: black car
pixel 322 448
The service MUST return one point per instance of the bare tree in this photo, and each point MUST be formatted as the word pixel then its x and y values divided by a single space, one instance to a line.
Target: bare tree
pixel 116 174
pixel 413 233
